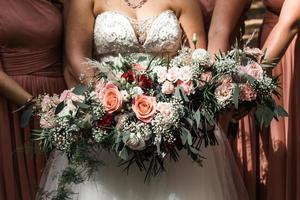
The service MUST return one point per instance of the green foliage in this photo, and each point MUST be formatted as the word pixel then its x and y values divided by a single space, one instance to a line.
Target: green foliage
pixel 26 116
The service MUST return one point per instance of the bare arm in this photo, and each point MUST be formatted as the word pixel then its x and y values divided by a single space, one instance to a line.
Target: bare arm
pixel 79 39
pixel 284 31
pixel 192 22
pixel 224 20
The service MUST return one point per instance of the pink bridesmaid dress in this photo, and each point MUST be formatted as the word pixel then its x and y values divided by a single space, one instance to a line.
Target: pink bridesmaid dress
pixel 31 34
pixel 270 160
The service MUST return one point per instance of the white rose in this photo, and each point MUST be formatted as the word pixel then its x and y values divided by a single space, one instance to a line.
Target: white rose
pixel 136 91
pixel 136 142
pixel 69 110
pixel 186 74
pixel 173 74
pixel 161 73
pixel 125 95
pixel 165 109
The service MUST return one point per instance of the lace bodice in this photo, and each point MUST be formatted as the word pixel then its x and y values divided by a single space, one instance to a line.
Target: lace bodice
pixel 116 33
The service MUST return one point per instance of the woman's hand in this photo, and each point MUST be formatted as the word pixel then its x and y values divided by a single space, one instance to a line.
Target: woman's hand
pixel 11 90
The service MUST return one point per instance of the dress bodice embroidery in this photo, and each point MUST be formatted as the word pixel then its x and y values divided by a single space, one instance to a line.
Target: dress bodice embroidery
pixel 116 33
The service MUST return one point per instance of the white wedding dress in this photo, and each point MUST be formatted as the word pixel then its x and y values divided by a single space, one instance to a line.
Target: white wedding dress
pixel 218 179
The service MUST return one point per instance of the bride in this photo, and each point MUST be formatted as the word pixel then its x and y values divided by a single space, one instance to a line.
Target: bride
pixel 99 28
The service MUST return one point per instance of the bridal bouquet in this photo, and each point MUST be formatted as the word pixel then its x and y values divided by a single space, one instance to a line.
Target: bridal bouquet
pixel 141 107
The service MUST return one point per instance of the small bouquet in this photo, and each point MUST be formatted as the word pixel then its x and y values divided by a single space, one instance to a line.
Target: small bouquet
pixel 243 83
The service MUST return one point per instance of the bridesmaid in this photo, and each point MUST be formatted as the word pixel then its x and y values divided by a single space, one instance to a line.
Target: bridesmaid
pixel 31 34
pixel 273 156
pixel 224 28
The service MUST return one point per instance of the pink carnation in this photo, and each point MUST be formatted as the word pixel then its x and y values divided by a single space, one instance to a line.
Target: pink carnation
pixel 48 119
pixel 69 96
pixel 49 102
pixel 247 93
pixel 187 87
pixel 167 88
pixel 205 78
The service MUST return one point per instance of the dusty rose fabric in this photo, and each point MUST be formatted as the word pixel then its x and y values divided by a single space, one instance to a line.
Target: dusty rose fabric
pixel 270 159
pixel 30 53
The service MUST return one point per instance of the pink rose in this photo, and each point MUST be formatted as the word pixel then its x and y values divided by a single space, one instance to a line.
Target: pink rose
pixel 256 52
pixel 186 74
pixel 144 107
pixel 99 89
pixel 173 74
pixel 165 109
pixel 205 77
pixel 224 91
pixel 167 88
pixel 226 79
pixel 112 98
pixel 69 96
pixel 187 87
pixel 254 70
pixel 139 67
pixel 247 93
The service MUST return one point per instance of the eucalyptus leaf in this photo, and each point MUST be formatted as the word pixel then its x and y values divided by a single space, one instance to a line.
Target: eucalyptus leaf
pixel 59 107
pixel 189 139
pixel 82 105
pixel 26 116
pixel 281 112
pixel 80 90
pixel 123 154
pixel 250 79
pixel 197 117
pixel 236 95
pixel 193 150
pixel 183 138
pixel 125 137
pixel 264 115
pixel 179 93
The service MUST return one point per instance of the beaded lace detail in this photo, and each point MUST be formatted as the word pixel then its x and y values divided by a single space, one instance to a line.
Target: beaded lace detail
pixel 116 33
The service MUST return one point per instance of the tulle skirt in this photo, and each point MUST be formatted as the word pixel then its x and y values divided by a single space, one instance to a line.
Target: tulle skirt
pixel 217 179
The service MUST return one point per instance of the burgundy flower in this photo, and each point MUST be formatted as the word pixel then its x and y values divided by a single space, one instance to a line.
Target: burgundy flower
pixel 129 76
pixel 145 81
pixel 106 120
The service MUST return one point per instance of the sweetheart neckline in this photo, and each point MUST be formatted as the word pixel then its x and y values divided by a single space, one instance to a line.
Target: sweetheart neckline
pixel 134 19
pixel 130 20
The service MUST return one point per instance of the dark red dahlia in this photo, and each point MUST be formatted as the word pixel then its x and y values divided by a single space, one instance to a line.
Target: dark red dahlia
pixel 129 76
pixel 145 81
pixel 106 120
